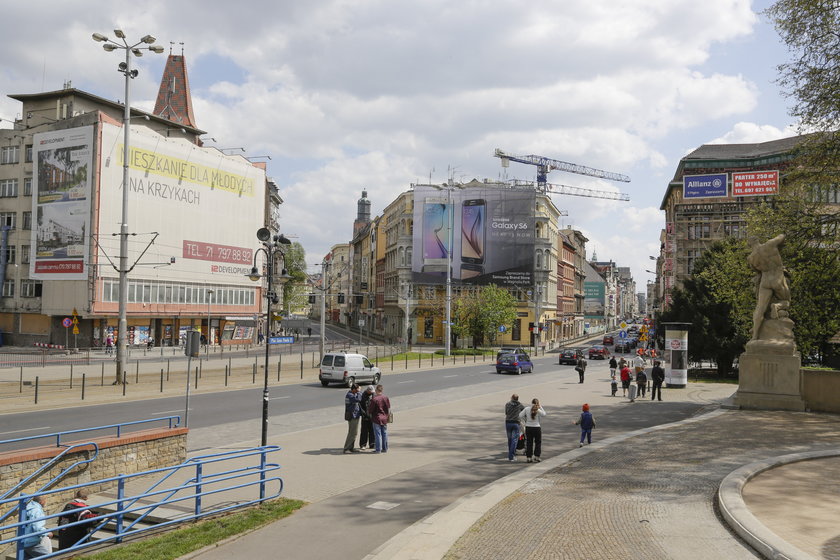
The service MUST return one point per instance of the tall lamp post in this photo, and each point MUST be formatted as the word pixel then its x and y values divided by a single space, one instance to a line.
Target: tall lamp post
pixel 209 336
pixel 125 68
pixel 271 246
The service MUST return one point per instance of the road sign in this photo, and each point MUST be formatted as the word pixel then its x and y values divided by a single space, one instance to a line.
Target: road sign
pixel 281 339
pixel 361 322
pixel 502 328
pixel 67 321
pixel 622 334
pixel 643 338
pixel 623 325
pixel 75 330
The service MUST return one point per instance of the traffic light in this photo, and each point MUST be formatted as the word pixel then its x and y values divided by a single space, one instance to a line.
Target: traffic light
pixel 531 327
pixel 340 298
pixel 311 298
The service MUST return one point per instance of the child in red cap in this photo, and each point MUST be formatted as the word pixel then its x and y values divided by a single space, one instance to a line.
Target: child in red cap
pixel 586 422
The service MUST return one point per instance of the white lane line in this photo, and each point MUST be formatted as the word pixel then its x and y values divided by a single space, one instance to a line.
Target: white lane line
pixel 166 412
pixel 445 376
pixel 27 430
pixel 407 381
pixel 276 398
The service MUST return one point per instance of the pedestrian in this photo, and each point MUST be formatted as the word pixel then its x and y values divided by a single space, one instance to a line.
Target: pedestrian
pixel 641 381
pixel 308 331
pixel 613 386
pixel 533 431
pixel 76 510
pixel 367 438
pixel 512 425
pixel 625 380
pixel 657 375
pixel 613 367
pixel 352 413
pixel 586 423
pixel 622 363
pixel 581 368
pixel 109 345
pixel 380 415
pixel 35 542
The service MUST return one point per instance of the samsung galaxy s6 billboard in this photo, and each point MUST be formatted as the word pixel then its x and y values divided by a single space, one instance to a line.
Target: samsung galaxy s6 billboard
pixel 487 229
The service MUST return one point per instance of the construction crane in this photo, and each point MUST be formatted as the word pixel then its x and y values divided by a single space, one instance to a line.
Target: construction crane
pixel 572 191
pixel 544 165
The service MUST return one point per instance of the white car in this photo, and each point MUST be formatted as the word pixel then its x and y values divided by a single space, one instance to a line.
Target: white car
pixel 338 367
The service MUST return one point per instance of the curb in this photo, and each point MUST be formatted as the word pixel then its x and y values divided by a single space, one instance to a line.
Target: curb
pixel 736 514
pixel 431 538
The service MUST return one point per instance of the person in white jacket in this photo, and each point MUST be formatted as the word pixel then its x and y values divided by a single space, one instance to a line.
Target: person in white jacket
pixel 533 432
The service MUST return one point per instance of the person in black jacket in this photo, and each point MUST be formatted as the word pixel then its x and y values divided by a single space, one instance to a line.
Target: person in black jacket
pixel 76 510
pixel 367 439
pixel 657 375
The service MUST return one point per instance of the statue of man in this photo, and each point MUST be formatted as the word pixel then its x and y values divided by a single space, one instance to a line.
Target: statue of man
pixel 772 287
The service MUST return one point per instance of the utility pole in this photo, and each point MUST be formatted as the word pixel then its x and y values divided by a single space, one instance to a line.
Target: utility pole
pixel 405 326
pixel 324 268
pixel 448 330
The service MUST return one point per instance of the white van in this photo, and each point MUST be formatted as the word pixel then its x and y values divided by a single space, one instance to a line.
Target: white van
pixel 338 367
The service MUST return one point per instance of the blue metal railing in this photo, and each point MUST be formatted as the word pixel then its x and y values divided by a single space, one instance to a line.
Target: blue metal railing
pixel 194 490
pixel 174 422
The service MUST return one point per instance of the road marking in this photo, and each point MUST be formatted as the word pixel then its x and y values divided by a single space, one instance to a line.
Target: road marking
pixel 275 398
pixel 382 505
pixel 445 376
pixel 408 381
pixel 166 412
pixel 28 430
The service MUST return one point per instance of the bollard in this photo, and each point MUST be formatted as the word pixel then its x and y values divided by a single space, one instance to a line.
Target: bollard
pixel 254 374
pixel 102 377
pixel 161 380
pixel 226 376
pixel 433 359
pixel 21 379
pixel 230 366
pixel 124 383
pixel 137 372
pixel 301 365
pixel 167 369
pixel 196 377
pixel 419 360
pixel 474 358
pixel 406 359
pixel 465 358
pixel 71 376
pixel 36 389
pixel 278 370
pixel 83 385
pixel 392 362
pixel 200 367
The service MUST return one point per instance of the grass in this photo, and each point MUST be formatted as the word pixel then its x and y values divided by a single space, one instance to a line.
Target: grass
pixel 176 543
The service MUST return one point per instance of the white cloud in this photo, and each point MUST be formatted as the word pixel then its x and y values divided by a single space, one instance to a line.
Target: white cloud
pixel 752 133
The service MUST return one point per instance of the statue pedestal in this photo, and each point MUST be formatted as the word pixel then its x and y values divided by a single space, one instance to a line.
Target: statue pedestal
pixel 770 378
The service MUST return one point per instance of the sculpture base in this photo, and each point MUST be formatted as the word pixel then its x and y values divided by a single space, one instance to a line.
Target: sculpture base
pixel 769 381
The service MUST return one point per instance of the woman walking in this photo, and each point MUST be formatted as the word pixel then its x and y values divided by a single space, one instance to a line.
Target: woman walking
pixel 533 431
pixel 380 410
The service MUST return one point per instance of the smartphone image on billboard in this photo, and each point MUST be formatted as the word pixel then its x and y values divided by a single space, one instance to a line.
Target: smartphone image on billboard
pixel 435 230
pixel 472 231
pixel 469 270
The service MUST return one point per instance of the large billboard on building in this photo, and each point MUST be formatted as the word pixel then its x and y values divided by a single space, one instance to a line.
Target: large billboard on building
pixel 61 188
pixel 205 206
pixel 594 299
pixel 487 229
pixel 755 183
pixel 705 186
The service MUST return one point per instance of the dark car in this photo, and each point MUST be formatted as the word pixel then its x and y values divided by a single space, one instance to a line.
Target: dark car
pixel 598 352
pixel 514 363
pixel 621 347
pixel 570 356
pixel 608 339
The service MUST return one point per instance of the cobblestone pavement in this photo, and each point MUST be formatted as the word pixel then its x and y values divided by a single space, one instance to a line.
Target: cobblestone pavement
pixel 652 496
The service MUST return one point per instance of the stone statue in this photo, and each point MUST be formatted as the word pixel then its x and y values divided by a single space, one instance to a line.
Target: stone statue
pixel 770 320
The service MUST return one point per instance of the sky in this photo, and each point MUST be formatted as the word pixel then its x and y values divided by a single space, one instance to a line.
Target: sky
pixel 352 95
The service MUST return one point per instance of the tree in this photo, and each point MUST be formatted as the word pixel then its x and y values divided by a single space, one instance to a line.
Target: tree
pixel 480 313
pixel 296 289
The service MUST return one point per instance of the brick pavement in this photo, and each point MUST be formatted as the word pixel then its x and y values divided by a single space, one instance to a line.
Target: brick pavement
pixel 650 496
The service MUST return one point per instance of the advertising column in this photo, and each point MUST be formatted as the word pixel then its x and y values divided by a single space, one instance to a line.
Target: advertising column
pixel 676 354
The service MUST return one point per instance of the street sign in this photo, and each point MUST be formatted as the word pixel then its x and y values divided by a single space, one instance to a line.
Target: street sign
pixel 67 321
pixel 502 328
pixel 281 339
pixel 643 338
pixel 623 325
pixel 361 322
pixel 622 334
pixel 75 330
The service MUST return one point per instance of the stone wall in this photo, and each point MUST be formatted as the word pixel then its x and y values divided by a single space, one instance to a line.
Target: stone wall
pixel 128 454
pixel 821 390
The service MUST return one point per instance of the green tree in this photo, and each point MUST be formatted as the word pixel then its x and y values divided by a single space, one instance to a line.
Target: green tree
pixel 480 313
pixel 296 289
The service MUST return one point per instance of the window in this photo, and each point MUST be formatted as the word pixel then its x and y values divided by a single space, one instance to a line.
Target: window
pixel 8 187
pixel 27 153
pixel 10 254
pixel 9 154
pixel 24 254
pixel 9 288
pixel 27 186
pixel 32 288
pixel 8 219
pixel 27 220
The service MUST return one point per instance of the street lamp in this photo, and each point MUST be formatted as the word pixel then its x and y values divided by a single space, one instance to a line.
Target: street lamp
pixel 271 246
pixel 125 68
pixel 209 337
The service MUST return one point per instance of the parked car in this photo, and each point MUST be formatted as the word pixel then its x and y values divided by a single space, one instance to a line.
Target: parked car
pixel 621 347
pixel 338 367
pixel 608 339
pixel 514 363
pixel 599 352
pixel 570 356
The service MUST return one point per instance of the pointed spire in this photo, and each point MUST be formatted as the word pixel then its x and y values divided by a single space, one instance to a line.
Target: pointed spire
pixel 173 100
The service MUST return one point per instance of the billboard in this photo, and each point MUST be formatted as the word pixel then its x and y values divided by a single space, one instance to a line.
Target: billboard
pixel 205 205
pixel 755 183
pixel 704 186
pixel 594 299
pixel 487 230
pixel 61 187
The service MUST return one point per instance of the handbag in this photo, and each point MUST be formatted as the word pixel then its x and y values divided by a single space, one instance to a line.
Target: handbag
pixel 390 417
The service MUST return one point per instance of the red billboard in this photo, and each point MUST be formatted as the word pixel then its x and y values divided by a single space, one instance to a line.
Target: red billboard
pixel 755 183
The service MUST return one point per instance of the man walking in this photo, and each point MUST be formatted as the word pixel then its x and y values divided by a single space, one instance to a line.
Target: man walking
pixel 512 410
pixel 352 413
pixel 581 368
pixel 657 375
